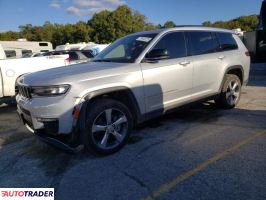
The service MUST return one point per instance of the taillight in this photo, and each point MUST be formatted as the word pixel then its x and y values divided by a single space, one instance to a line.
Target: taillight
pixel 247 53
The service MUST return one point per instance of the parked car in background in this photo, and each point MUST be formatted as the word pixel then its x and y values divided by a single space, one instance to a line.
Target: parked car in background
pixel 96 48
pixel 29 55
pixel 11 69
pixel 68 46
pixel 75 56
pixel 138 77
pixel 16 49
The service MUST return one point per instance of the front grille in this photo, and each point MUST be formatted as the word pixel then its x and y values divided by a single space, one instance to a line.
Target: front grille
pixel 25 91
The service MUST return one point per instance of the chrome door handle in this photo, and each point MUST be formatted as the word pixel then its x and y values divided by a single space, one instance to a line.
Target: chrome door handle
pixel 221 57
pixel 184 63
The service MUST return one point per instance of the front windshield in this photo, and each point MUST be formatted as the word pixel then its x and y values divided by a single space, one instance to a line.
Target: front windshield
pixel 125 50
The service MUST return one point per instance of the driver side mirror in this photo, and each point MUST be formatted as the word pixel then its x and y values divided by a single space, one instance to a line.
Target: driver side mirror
pixel 157 54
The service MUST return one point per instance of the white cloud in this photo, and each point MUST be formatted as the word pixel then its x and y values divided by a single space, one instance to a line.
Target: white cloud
pixel 55 4
pixel 80 11
pixel 90 7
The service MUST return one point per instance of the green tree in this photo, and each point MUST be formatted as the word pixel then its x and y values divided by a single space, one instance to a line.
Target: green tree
pixel 101 29
pixel 47 31
pixel 108 26
pixel 246 23
pixel 81 32
pixel 169 24
pixel 9 36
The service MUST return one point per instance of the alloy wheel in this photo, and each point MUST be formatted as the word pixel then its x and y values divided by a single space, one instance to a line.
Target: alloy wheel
pixel 109 128
pixel 232 92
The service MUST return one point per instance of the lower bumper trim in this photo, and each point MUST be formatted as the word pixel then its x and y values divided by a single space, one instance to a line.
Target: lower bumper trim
pixel 59 144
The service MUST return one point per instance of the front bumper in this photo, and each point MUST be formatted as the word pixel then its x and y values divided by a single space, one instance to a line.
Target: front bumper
pixel 50 127
pixel 45 134
pixel 51 115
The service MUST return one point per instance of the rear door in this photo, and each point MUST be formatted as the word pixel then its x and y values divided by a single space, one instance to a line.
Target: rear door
pixel 207 62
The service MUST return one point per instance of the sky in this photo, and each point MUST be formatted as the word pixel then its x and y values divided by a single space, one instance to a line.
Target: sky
pixel 183 12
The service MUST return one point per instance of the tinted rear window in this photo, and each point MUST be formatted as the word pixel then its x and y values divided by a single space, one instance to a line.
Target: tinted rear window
pixel 227 42
pixel 202 42
pixel 174 43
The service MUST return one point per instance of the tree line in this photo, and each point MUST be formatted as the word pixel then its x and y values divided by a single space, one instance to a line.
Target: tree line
pixel 107 26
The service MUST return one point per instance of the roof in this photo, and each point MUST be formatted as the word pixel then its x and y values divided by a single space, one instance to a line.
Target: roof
pixel 184 28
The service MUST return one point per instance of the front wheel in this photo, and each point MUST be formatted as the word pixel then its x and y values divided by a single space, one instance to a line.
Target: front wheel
pixel 108 126
pixel 231 92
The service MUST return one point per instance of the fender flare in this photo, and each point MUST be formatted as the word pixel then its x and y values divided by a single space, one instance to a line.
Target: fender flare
pixel 226 72
pixel 93 94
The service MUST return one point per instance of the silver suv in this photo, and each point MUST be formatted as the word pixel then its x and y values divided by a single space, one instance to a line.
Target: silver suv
pixel 138 77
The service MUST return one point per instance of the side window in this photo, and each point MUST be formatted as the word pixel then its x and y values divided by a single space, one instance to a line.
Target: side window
pixel 202 42
pixel 88 53
pixel 73 56
pixel 25 51
pixel 227 42
pixel 174 43
pixel 43 44
pixel 10 53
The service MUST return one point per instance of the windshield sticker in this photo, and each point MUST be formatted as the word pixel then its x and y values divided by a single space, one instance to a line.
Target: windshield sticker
pixel 143 39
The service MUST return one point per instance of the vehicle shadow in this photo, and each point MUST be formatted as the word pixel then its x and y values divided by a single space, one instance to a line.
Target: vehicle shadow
pixel 6 108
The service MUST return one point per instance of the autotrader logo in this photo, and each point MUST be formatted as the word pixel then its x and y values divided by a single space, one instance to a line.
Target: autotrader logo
pixel 26 193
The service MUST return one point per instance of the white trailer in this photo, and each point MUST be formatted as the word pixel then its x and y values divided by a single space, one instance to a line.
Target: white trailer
pixel 16 49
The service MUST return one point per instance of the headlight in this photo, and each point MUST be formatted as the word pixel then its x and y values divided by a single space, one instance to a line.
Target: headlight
pixel 45 91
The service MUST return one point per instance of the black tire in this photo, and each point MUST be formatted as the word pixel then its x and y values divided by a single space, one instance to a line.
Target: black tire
pixel 229 99
pixel 95 114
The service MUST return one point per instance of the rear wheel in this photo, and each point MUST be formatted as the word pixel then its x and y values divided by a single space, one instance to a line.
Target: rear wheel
pixel 231 92
pixel 108 126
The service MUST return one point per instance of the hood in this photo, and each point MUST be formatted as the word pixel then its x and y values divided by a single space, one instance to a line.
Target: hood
pixel 70 73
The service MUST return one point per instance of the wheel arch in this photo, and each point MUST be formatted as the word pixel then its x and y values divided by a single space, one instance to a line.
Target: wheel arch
pixel 120 93
pixel 237 70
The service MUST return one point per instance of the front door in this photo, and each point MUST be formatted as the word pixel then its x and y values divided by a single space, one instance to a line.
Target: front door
pixel 168 82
